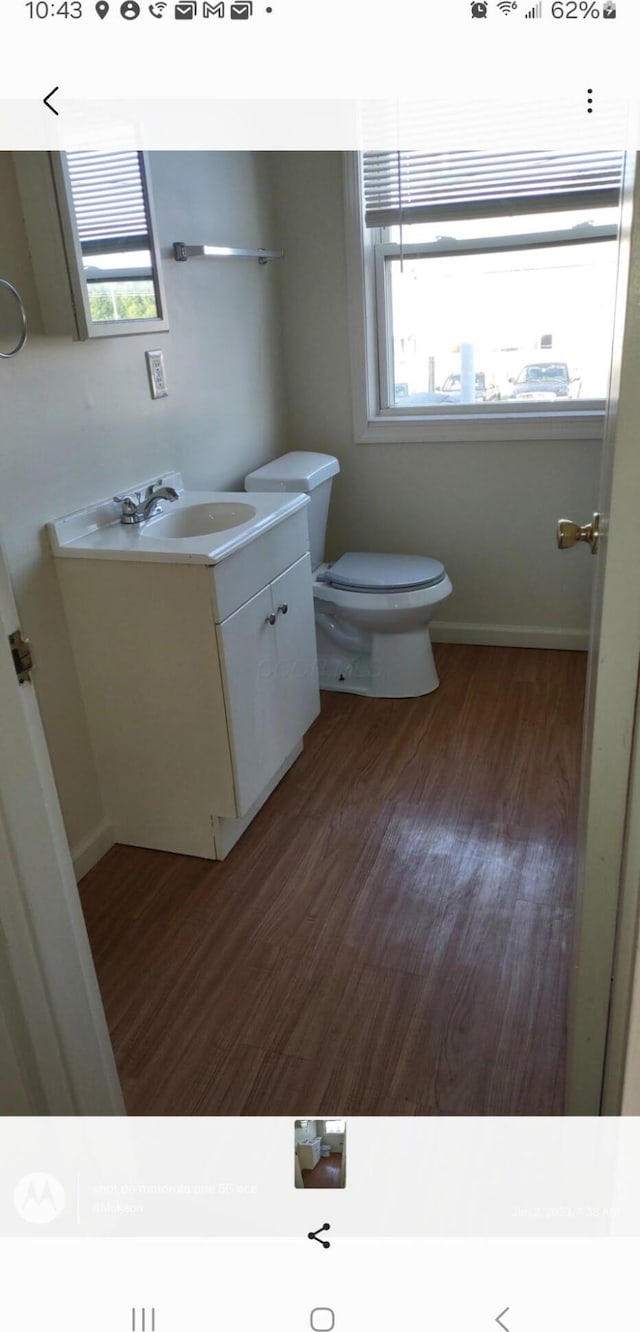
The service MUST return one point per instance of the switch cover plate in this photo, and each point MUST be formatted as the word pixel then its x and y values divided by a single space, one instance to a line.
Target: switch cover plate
pixel 157 377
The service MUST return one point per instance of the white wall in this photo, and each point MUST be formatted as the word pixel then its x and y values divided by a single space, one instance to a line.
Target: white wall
pixel 334 1140
pixel 77 421
pixel 487 509
pixel 304 1134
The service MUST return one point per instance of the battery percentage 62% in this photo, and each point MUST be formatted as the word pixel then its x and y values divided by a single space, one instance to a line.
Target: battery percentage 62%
pixel 575 9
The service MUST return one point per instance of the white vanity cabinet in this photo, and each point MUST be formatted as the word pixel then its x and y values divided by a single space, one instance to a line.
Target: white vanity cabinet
pixel 309 1154
pixel 198 684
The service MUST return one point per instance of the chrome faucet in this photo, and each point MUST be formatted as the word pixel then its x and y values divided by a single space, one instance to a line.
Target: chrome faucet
pixel 135 509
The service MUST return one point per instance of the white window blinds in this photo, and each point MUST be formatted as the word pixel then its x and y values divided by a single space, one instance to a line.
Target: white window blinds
pixel 109 201
pixel 405 187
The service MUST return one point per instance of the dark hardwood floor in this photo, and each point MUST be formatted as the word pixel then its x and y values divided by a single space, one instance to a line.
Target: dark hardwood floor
pixel 391 934
pixel 326 1174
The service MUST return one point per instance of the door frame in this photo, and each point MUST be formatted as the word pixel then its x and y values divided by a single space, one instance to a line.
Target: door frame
pixel 607 903
pixel 56 1046
pixel 622 1067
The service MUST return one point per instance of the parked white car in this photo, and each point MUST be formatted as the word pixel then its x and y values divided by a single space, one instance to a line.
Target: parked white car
pixel 544 380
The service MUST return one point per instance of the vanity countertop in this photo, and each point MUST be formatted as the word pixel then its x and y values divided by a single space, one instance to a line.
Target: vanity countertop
pixel 97 533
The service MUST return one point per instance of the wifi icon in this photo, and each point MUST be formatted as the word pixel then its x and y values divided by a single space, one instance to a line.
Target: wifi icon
pixel 505 6
pixel 158 9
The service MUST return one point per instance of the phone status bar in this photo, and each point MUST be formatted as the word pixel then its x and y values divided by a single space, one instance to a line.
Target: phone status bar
pixel 571 10
pixel 130 10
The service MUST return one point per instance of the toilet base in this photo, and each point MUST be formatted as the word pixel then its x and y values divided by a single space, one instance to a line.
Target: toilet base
pixel 395 666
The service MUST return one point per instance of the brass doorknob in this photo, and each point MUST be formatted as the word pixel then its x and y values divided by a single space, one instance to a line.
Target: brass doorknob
pixel 569 533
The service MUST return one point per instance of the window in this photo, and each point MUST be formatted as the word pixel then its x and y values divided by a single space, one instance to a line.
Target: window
pixel 334 1125
pixel 489 286
pixel 113 226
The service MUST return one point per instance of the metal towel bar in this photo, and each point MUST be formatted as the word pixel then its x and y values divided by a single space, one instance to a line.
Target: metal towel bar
pixel 182 252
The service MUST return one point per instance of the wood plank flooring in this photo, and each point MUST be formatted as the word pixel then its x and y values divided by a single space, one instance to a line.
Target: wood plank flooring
pixel 391 934
pixel 326 1174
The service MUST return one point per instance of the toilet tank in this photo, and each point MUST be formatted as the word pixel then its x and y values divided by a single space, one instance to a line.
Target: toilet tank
pixel 302 473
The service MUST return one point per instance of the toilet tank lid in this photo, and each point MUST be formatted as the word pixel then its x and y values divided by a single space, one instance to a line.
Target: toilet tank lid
pixel 293 472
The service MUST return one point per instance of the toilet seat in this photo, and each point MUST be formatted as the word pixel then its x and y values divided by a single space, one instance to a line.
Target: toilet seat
pixel 363 572
pixel 353 600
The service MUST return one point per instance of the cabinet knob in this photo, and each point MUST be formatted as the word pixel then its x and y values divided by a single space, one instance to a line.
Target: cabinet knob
pixel 270 619
pixel 284 606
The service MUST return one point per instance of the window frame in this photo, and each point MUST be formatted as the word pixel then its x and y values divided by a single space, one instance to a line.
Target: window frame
pixel 371 348
pixel 86 327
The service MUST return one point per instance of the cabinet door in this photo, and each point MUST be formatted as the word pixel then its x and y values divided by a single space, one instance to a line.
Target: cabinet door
pixel 298 701
pixel 247 643
pixel 270 673
pixel 305 1156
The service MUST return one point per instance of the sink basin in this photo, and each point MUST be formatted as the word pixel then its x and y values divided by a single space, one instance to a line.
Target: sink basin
pixel 201 526
pixel 196 520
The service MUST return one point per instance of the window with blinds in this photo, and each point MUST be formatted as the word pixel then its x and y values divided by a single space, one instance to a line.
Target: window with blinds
pixel 494 279
pixel 435 187
pixel 109 202
pixel 112 224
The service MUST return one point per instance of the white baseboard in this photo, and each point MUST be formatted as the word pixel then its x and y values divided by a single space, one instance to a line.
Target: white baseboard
pixel 90 849
pixel 509 635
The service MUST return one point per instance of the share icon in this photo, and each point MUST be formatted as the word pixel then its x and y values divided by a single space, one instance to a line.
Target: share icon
pixel 313 1235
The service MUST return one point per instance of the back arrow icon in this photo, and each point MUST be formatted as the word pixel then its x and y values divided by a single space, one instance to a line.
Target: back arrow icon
pixel 48 104
pixel 500 1318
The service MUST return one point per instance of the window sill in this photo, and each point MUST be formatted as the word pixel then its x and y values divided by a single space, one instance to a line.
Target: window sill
pixel 479 428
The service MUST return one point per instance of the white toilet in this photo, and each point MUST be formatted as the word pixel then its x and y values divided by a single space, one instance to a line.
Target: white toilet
pixel 372 611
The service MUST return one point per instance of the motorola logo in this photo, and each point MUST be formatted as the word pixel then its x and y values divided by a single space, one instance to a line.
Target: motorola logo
pixel 38 1198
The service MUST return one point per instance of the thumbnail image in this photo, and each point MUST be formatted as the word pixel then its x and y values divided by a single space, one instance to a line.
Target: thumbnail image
pixel 320 1153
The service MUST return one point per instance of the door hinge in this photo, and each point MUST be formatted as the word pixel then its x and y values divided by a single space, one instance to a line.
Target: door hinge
pixel 22 656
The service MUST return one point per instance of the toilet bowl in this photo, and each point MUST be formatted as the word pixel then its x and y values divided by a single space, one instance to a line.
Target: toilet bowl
pixel 372 611
pixel 374 638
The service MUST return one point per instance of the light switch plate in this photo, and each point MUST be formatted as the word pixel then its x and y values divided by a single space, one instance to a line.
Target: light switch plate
pixel 157 377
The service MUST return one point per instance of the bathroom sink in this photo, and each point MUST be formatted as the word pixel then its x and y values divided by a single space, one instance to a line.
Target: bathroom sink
pixel 201 526
pixel 194 520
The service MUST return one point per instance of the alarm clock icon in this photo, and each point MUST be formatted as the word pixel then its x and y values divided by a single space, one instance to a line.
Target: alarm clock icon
pixel 479 9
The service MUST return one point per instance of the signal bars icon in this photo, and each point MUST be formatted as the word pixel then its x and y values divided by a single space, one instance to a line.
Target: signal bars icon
pixel 536 12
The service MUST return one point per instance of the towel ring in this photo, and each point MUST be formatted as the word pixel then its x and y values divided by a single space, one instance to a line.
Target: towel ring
pixel 23 316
